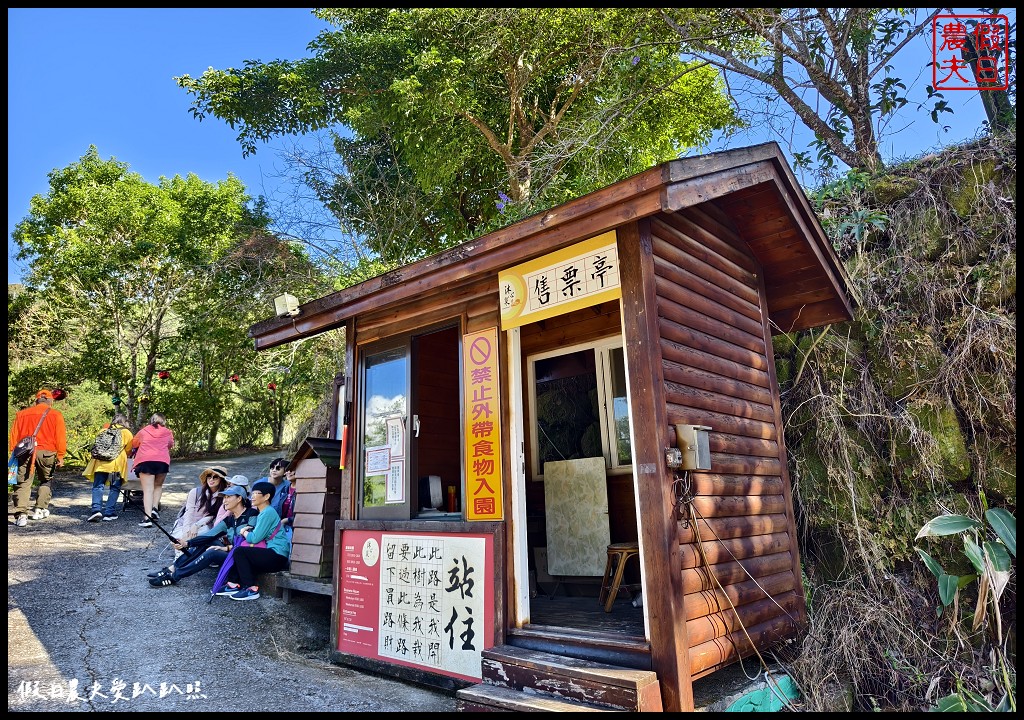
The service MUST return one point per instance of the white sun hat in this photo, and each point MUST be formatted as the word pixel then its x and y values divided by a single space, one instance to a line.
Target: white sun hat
pixel 239 480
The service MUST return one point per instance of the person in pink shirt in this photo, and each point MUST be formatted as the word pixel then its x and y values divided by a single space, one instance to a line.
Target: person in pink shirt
pixel 152 445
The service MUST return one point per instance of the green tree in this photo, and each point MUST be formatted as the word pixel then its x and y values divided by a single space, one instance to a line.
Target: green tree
pixel 212 344
pixel 832 66
pixel 463 113
pixel 112 260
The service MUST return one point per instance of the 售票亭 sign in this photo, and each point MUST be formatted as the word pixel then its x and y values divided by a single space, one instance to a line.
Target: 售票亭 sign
pixel 575 277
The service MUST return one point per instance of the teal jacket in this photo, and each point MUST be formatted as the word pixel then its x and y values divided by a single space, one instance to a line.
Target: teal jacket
pixel 266 521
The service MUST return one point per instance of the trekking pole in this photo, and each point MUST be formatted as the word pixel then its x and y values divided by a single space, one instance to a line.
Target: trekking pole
pixel 170 537
pixel 126 496
pixel 152 518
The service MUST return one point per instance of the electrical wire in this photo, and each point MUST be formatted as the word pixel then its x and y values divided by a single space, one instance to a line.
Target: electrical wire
pixel 771 683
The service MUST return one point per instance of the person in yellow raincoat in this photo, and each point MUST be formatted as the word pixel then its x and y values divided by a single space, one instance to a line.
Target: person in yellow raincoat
pixel 113 472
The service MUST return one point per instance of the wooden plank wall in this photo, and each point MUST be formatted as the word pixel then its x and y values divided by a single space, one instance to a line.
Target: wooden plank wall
pixel 317 506
pixel 718 373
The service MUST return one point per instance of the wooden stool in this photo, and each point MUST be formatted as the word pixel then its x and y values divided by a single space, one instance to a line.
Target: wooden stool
pixel 618 554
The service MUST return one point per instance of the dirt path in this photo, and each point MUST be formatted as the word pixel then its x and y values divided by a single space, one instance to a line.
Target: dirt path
pixel 82 617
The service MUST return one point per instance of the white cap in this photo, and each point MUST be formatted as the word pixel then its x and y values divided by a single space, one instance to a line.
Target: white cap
pixel 239 480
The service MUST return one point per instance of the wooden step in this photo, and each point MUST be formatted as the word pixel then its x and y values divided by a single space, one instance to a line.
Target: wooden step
pixel 495 698
pixel 571 679
pixel 598 646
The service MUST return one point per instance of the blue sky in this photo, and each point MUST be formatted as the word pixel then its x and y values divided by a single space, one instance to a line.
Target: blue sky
pixel 104 77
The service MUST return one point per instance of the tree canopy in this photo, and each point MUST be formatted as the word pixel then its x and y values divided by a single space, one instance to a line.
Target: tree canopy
pixel 834 67
pixel 463 114
pixel 148 290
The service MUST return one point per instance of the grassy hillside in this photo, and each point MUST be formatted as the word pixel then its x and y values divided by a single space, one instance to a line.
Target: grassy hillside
pixel 904 414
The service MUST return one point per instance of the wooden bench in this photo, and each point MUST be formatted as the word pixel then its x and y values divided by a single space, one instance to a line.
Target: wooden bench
pixel 285 582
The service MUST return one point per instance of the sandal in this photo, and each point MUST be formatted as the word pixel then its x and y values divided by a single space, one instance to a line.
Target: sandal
pixel 163 581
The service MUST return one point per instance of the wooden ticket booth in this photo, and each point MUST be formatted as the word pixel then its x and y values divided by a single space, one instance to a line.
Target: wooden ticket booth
pixel 583 399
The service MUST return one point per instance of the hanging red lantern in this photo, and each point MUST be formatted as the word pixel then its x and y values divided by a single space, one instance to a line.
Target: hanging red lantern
pixel 234 378
pixel 163 374
pixel 272 386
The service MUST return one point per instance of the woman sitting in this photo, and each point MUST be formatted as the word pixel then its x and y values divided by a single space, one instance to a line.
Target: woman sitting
pixel 201 506
pixel 250 559
pixel 208 548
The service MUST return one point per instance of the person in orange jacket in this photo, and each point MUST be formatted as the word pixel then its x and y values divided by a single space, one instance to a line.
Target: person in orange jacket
pixel 51 447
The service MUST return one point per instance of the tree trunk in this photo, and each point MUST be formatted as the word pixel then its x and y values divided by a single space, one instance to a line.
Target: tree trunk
pixel 211 438
pixel 997 105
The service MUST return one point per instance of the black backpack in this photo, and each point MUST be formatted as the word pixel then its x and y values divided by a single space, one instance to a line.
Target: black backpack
pixel 108 443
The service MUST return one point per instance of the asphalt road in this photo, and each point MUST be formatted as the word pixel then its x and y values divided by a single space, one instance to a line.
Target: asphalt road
pixel 86 631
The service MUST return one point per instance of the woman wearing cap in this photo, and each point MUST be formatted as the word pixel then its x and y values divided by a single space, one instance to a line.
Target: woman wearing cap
pixel 241 480
pixel 204 550
pixel 152 445
pixel 249 560
pixel 202 504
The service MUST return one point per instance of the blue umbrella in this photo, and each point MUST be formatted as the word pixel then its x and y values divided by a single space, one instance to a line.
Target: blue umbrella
pixel 222 576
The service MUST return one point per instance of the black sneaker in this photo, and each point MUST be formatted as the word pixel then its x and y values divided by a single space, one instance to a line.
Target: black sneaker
pixel 96 516
pixel 109 518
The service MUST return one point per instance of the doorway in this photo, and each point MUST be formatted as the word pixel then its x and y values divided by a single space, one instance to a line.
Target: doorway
pixel 574 494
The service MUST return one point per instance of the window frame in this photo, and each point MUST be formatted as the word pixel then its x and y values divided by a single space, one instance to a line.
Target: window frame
pixel 605 396
pixel 389 511
pixel 405 340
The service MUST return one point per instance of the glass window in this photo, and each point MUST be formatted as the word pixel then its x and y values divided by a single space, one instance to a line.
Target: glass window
pixel 568 415
pixel 409 426
pixel 622 451
pixel 580 407
pixel 386 397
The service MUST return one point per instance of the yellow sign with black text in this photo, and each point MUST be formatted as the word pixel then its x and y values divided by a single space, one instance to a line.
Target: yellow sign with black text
pixel 482 425
pixel 575 277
